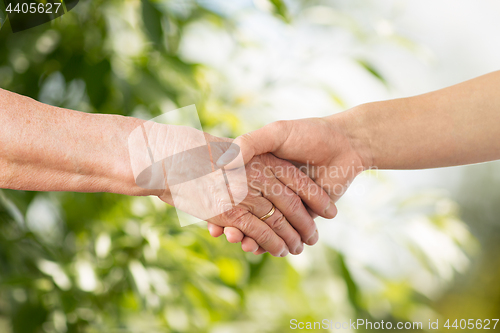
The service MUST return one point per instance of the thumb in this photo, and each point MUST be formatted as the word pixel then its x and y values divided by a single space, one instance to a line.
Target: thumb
pixel 264 140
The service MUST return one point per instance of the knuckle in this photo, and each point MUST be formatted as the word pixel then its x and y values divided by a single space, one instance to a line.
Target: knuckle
pixel 279 125
pixel 294 204
pixel 242 222
pixel 302 183
pixel 230 217
pixel 266 239
pixel 250 204
pixel 246 138
pixel 264 236
pixel 278 224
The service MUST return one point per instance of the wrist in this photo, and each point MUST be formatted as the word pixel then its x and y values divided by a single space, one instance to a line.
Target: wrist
pixel 124 162
pixel 354 126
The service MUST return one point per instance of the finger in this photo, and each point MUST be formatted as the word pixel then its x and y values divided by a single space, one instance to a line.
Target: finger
pixel 249 245
pixel 313 214
pixel 335 186
pixel 254 228
pixel 311 193
pixel 293 209
pixel 260 251
pixel 215 230
pixel 264 140
pixel 278 223
pixel 233 235
pixel 315 237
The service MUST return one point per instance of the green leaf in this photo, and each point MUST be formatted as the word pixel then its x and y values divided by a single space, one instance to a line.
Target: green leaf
pixel 152 21
pixel 281 10
pixel 352 288
pixel 369 67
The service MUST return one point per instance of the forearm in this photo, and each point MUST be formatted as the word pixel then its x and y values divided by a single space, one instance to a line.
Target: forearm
pixel 45 148
pixel 453 126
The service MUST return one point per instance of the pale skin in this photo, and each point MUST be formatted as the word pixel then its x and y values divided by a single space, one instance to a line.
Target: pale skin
pixel 45 148
pixel 457 125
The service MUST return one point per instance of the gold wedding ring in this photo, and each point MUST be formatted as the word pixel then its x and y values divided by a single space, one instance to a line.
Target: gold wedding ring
pixel 268 215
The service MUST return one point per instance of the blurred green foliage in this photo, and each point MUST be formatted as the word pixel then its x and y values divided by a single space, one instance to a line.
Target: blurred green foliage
pixel 75 262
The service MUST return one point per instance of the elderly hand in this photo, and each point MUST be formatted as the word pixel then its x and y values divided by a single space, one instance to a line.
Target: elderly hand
pixel 177 162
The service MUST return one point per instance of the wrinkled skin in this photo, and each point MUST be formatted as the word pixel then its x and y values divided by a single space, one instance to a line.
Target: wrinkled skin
pixel 177 162
pixel 317 146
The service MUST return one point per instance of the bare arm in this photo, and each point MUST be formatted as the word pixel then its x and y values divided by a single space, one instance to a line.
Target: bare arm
pixel 452 126
pixel 45 148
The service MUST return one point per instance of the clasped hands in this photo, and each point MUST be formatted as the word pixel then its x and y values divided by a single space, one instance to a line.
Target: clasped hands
pixel 321 164
pixel 295 171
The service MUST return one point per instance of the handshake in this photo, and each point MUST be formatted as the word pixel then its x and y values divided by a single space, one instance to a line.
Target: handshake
pixel 263 189
pixel 279 178
pixel 297 170
pixel 308 165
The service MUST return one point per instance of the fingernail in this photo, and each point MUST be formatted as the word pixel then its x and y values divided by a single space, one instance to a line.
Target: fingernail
pixel 313 239
pixel 331 210
pixel 227 157
pixel 284 253
pixel 299 249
